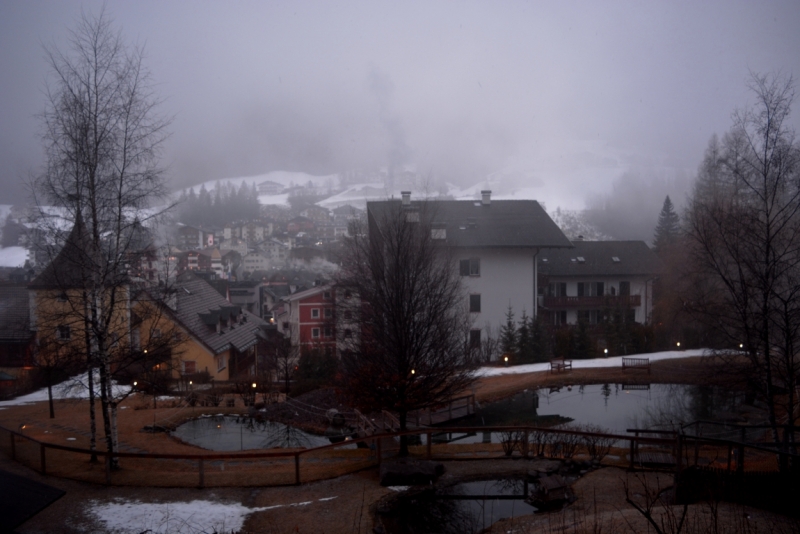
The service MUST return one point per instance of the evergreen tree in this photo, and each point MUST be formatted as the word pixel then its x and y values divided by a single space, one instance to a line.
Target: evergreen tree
pixel 668 227
pixel 540 340
pixel 524 341
pixel 508 335
pixel 584 348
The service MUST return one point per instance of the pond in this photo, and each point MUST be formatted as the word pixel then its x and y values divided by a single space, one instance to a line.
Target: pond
pixel 462 508
pixel 615 407
pixel 232 433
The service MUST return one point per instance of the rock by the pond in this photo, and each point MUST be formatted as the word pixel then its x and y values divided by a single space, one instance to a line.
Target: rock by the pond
pixel 408 472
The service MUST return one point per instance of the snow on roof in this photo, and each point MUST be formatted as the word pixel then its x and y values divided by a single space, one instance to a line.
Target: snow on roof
pixel 13 256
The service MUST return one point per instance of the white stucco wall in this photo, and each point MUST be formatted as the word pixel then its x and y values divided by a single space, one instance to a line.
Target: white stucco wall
pixel 507 277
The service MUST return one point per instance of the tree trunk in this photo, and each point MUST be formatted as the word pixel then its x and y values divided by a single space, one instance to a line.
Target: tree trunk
pixel 49 374
pixel 403 416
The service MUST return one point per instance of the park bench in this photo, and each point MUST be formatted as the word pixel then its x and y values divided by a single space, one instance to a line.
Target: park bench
pixel 636 363
pixel 560 365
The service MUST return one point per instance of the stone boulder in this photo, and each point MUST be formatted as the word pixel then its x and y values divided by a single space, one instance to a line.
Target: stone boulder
pixel 409 472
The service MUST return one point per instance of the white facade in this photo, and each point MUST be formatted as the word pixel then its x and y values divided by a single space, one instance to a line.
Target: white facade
pixel 507 277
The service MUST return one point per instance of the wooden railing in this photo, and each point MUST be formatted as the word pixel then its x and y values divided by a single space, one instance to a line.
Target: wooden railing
pixel 680 446
pixel 593 302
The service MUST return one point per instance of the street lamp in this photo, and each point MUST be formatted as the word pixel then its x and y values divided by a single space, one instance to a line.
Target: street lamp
pixel 605 351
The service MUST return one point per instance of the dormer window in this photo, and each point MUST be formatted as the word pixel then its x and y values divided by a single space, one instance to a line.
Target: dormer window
pixel 62 297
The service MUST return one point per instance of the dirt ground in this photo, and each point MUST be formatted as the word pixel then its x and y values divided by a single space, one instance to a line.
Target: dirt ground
pixel 342 505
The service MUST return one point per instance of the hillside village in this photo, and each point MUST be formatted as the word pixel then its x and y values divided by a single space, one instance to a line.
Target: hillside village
pixel 275 271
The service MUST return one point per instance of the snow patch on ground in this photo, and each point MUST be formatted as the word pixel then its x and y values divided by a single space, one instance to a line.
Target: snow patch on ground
pixel 615 361
pixel 73 388
pixel 13 256
pixel 195 517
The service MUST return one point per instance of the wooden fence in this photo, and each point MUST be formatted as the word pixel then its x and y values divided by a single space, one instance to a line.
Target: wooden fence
pixel 294 466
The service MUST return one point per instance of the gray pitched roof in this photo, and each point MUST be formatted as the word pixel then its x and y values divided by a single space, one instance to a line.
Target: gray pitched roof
pixel 199 309
pixel 635 259
pixel 500 224
pixel 14 315
pixel 64 272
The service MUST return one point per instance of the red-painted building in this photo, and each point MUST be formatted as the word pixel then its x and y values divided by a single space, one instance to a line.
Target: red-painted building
pixel 307 318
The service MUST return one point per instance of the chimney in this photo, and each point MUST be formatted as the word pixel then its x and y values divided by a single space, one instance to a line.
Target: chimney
pixel 406 197
pixel 486 197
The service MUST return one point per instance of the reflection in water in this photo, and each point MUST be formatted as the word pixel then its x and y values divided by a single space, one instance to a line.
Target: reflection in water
pixel 462 508
pixel 231 433
pixel 615 407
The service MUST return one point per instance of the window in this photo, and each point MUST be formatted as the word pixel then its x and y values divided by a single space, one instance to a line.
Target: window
pixel 326 295
pixel 470 267
pixel 624 288
pixel 221 362
pixel 315 313
pixel 328 331
pixel 348 333
pixel 475 303
pixel 63 332
pixel 560 318
pixel 189 367
pixel 600 289
pixel 136 339
pixel 438 233
pixel 630 316
pixel 315 333
pixel 581 289
pixel 474 339
pixel 329 313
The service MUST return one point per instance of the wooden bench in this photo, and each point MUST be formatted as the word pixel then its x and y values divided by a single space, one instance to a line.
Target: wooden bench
pixel 560 365
pixel 636 363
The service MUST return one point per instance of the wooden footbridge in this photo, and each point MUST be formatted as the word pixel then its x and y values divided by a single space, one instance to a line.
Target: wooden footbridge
pixel 456 408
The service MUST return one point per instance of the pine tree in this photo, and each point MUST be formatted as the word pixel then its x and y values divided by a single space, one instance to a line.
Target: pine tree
pixel 524 341
pixel 668 227
pixel 540 341
pixel 508 335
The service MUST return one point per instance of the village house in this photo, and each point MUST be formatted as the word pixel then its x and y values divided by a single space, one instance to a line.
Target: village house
pixel 16 336
pixel 307 318
pixel 270 188
pixel 215 336
pixel 193 237
pixel 596 278
pixel 496 244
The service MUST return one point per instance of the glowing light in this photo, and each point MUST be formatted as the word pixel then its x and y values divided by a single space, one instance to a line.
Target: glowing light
pixel 605 351
pixel 136 383
pixel 145 351
pixel 413 371
pixel 505 359
pixel 190 382
pixel 741 345
pixel 254 384
pixel 679 343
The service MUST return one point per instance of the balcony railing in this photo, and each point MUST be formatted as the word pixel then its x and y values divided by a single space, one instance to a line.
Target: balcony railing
pixel 608 301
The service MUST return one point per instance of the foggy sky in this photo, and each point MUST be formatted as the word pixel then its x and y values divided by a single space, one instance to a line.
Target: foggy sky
pixel 459 89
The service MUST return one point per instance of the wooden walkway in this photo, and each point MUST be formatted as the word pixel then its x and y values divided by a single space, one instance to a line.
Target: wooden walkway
pixel 457 408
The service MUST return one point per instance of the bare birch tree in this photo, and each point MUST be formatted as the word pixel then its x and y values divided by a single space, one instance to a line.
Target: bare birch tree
pixel 102 138
pixel 743 225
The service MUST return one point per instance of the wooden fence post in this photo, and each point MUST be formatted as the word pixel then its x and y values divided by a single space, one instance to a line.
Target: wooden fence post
pixel 42 458
pixel 297 468
pixel 633 452
pixel 201 466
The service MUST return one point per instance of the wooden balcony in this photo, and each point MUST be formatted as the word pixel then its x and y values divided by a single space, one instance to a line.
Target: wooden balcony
pixel 594 303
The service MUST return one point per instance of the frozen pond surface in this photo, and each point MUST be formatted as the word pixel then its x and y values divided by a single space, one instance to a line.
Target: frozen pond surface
pixel 231 433
pixel 615 407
